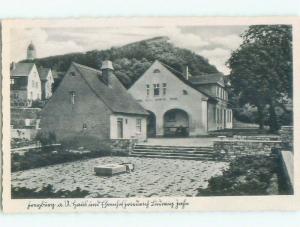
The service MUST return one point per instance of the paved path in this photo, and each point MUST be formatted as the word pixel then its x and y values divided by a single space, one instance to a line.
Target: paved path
pixel 202 142
pixel 151 177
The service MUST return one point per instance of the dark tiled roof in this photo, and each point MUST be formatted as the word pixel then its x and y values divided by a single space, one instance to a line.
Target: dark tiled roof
pixel 115 96
pixel 43 73
pixel 180 76
pixel 20 83
pixel 20 74
pixel 208 79
pixel 22 69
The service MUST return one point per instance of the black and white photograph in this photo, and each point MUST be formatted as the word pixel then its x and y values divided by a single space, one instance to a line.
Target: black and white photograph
pixel 150 111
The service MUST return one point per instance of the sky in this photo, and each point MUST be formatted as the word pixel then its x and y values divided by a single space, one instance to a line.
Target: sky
pixel 212 42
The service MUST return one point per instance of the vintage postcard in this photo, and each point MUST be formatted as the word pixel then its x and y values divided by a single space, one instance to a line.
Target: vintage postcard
pixel 150 114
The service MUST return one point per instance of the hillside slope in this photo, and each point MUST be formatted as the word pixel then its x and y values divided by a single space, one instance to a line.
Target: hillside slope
pixel 131 61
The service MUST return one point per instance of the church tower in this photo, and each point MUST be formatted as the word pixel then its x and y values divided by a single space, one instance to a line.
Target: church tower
pixel 31 52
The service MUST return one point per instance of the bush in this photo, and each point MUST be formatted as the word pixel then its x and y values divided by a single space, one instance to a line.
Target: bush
pixel 248 176
pixel 46 192
pixel 50 155
pixel 91 143
pixel 46 138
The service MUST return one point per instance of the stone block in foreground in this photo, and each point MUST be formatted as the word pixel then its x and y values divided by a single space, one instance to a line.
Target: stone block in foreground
pixel 109 169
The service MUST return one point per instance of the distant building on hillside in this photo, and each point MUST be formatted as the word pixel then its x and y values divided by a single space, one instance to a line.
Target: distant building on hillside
pixel 25 84
pixel 180 104
pixel 93 103
pixel 47 82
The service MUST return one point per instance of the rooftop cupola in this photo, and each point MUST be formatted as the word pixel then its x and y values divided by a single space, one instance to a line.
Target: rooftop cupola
pixel 31 52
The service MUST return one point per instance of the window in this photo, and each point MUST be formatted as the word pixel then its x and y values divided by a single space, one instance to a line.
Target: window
pixel 218 92
pixel 32 83
pixel 84 126
pixel 138 125
pixel 72 96
pixel 184 92
pixel 27 122
pixel 156 71
pixel 148 89
pixel 72 73
pixel 156 89
pixel 171 116
pixel 164 88
pixel 12 81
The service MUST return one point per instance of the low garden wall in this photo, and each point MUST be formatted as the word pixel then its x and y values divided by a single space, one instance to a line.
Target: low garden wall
pixel 229 149
pixel 259 137
pixel 286 135
pixel 28 134
pixel 122 146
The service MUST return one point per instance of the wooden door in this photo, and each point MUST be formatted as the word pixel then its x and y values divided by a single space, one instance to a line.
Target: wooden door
pixel 120 128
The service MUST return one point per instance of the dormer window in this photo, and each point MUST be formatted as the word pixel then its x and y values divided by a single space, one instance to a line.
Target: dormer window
pixel 156 71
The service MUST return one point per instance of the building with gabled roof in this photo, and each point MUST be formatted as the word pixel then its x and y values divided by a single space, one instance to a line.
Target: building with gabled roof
pixel 180 104
pixel 93 103
pixel 25 83
pixel 47 82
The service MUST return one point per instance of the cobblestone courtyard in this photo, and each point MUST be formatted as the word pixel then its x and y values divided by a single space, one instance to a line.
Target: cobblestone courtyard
pixel 151 177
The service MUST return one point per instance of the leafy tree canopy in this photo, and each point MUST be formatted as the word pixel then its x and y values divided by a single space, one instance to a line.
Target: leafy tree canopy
pixel 261 68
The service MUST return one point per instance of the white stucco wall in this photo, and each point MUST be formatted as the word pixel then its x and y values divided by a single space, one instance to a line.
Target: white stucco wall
pixel 34 87
pixel 193 103
pixel 48 85
pixel 129 127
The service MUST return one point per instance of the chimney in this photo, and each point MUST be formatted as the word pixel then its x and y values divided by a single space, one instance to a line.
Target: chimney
pixel 13 66
pixel 186 72
pixel 107 69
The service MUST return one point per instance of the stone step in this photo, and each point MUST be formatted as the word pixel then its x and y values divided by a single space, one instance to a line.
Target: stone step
pixel 173 151
pixel 154 147
pixel 206 158
pixel 190 156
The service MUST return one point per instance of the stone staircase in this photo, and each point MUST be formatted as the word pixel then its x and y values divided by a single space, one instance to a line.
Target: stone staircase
pixel 173 152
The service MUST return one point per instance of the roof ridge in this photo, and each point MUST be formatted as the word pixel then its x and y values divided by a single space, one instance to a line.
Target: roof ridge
pixel 207 74
pixel 86 67
pixel 83 77
pixel 171 68
pixel 184 80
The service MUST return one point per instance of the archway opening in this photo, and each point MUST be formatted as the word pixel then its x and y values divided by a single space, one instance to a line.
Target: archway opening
pixel 151 124
pixel 176 123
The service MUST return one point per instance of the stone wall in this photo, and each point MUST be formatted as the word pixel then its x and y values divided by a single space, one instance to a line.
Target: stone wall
pixel 258 137
pixel 287 161
pixel 286 135
pixel 122 146
pixel 28 134
pixel 229 149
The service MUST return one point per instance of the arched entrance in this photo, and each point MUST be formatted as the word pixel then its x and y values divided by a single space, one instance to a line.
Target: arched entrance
pixel 151 124
pixel 176 123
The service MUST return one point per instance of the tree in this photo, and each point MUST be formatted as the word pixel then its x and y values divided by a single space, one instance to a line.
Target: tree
pixel 261 69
